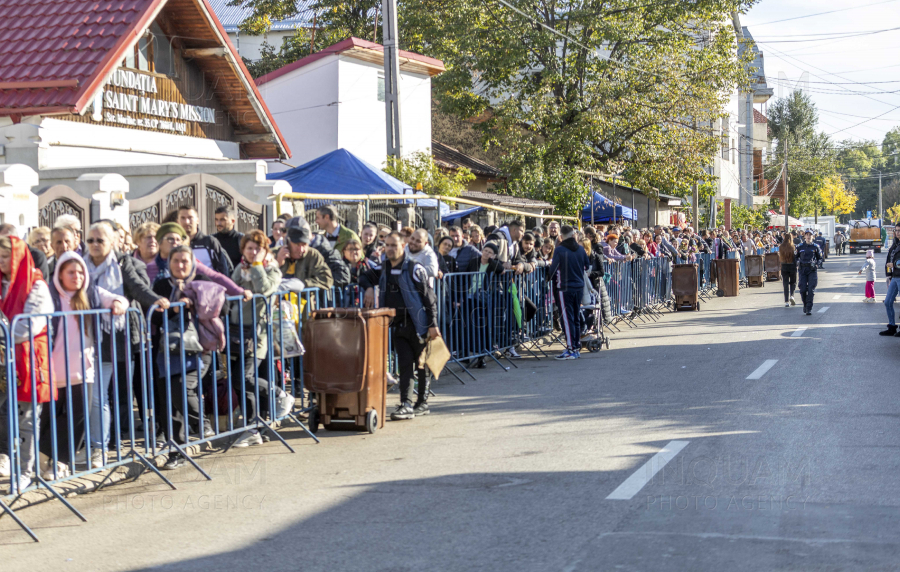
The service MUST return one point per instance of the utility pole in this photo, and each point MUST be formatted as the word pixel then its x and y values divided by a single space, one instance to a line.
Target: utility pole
pixel 696 199
pixel 391 77
pixel 787 227
pixel 879 196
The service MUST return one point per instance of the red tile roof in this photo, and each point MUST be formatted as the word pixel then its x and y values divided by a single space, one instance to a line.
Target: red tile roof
pixel 434 65
pixel 759 117
pixel 55 53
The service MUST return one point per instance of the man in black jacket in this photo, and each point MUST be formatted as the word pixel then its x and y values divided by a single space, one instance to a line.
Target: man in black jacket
pixel 566 273
pixel 228 237
pixel 206 248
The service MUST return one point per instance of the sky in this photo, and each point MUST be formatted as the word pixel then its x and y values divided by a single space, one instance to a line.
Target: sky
pixel 832 68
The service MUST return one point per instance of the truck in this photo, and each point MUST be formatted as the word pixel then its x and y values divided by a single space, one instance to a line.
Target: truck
pixel 824 224
pixel 865 234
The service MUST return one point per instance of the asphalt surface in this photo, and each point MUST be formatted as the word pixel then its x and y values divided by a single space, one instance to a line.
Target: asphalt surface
pixel 794 470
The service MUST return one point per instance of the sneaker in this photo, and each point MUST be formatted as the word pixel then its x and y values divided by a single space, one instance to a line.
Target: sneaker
pixel 421 409
pixel 284 405
pixel 787 304
pixel 391 380
pixel 792 301
pixel 208 430
pixel 97 458
pixel 175 461
pixel 247 438
pixel 513 354
pixel 479 363
pixel 404 411
pixel 62 471
pixel 25 481
pixel 568 354
pixel 5 468
pixel 577 354
pixel 809 313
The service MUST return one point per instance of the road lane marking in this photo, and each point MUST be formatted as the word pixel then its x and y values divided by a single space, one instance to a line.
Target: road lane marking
pixel 837 297
pixel 798 332
pixel 824 308
pixel 761 370
pixel 633 484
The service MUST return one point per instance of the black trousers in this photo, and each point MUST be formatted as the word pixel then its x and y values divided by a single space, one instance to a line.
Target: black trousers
pixel 789 279
pixel 247 384
pixel 185 416
pixel 409 347
pixel 66 441
pixel 809 279
pixel 570 317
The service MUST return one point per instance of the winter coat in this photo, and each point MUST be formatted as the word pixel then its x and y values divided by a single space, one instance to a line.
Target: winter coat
pixel 208 251
pixel 340 273
pixel 428 258
pixel 869 267
pixel 311 269
pixel 259 279
pixel 568 266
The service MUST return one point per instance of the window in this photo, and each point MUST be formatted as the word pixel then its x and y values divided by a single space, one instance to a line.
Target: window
pixel 152 53
pixel 380 87
pixel 725 148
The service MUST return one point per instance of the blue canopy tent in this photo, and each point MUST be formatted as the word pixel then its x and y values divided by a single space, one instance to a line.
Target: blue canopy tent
pixel 458 214
pixel 343 173
pixel 605 210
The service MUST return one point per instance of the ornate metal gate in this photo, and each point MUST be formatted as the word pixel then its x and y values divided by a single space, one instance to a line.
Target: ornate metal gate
pixel 59 200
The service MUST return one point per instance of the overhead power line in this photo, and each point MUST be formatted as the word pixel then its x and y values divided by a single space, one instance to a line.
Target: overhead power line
pixel 823 13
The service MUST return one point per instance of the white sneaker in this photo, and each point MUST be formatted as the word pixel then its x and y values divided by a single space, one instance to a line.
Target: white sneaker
pixel 62 471
pixel 391 380
pixel 792 302
pixel 513 354
pixel 248 438
pixel 5 469
pixel 25 481
pixel 786 304
pixel 284 405
pixel 97 458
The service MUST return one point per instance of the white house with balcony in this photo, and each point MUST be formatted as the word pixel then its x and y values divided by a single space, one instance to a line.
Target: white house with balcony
pixel 334 99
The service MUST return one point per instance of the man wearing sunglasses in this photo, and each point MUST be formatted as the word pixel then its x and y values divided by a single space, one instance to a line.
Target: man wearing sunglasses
pixel 298 260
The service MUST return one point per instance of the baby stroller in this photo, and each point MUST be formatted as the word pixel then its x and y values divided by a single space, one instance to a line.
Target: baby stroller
pixel 595 309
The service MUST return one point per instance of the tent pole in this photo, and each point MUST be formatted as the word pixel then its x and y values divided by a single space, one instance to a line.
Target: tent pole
pixel 592 200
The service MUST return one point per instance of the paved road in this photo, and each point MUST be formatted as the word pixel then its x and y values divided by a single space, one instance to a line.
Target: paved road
pixel 796 469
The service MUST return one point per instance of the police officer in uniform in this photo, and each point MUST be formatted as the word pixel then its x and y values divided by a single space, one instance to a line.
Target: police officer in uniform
pixel 809 256
pixel 403 285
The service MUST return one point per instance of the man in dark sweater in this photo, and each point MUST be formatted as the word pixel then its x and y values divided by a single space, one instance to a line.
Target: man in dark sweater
pixel 206 248
pixel 570 262
pixel 228 237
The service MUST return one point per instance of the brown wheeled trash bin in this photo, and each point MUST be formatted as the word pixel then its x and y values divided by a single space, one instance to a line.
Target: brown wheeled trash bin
pixel 773 266
pixel 684 287
pixel 346 365
pixel 753 265
pixel 727 274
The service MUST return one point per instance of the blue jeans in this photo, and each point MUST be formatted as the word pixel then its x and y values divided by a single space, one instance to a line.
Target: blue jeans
pixel 100 408
pixel 893 290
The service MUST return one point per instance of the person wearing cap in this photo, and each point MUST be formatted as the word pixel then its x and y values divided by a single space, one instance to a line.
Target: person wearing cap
pixel 298 260
pixel 809 255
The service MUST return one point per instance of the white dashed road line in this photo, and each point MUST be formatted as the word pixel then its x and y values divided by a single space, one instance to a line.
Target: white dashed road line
pixel 633 484
pixel 824 309
pixel 837 297
pixel 798 332
pixel 761 370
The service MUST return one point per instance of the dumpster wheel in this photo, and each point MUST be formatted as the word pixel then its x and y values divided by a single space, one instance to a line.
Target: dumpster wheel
pixel 697 307
pixel 372 421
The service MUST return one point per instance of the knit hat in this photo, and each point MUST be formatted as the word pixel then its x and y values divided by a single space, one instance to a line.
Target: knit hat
pixel 870 254
pixel 168 228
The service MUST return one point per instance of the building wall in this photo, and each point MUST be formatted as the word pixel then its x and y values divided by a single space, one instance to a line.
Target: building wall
pixel 305 105
pixel 250 47
pixel 362 128
pixel 333 103
pixel 728 170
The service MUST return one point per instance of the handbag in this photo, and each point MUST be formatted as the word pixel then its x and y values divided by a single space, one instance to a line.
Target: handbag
pixel 189 336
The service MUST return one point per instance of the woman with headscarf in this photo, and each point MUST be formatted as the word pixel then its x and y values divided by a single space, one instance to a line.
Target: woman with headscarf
pixel 23 291
pixel 73 290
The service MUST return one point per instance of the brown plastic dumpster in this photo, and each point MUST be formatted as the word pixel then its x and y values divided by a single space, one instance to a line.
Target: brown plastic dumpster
pixel 754 267
pixel 773 266
pixel 346 366
pixel 684 287
pixel 727 273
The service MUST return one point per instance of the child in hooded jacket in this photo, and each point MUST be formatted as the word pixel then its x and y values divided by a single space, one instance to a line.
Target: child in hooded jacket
pixel 74 366
pixel 869 267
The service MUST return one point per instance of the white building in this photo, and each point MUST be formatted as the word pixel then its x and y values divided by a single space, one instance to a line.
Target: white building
pixel 250 46
pixel 335 99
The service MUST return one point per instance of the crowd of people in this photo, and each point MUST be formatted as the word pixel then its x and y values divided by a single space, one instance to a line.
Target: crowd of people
pixel 194 281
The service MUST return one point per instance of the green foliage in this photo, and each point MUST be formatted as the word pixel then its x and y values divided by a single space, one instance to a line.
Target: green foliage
pixel 742 216
pixel 811 156
pixel 420 168
pixel 557 106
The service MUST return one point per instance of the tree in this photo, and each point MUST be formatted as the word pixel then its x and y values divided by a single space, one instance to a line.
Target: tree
pixel 893 213
pixel 857 162
pixel 420 169
pixel 835 198
pixel 890 150
pixel 582 85
pixel 811 157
